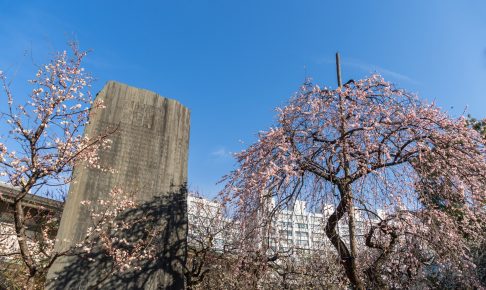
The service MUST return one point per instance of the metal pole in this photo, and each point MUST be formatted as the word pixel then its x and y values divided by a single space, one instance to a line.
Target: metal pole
pixel 338 69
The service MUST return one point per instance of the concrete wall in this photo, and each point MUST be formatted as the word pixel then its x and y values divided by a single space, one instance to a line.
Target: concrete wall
pixel 149 154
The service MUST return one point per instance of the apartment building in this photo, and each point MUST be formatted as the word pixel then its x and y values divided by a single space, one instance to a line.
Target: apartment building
pixel 294 227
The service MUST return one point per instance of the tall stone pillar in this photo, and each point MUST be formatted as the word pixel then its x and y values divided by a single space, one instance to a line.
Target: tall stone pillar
pixel 149 156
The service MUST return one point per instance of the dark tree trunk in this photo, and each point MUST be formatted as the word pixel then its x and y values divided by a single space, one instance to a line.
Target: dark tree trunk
pixel 347 257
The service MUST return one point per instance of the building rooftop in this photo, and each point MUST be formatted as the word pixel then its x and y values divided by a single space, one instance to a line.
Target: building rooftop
pixel 8 193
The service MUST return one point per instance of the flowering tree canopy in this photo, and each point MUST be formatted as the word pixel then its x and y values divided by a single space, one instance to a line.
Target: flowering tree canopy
pixel 48 127
pixel 376 151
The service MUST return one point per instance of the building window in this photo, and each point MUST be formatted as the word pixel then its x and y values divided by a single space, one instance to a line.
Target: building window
pixel 302 226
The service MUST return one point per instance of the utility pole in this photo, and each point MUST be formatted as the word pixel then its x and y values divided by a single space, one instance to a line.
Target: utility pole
pixel 346 193
pixel 338 69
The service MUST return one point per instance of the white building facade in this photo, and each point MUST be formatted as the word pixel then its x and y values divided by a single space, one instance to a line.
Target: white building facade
pixel 292 228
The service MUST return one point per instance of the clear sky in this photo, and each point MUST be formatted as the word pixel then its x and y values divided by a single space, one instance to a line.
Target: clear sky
pixel 232 62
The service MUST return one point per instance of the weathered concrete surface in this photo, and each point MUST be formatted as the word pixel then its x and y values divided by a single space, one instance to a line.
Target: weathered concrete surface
pixel 149 154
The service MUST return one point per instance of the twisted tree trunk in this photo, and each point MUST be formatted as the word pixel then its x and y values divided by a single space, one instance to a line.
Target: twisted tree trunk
pixel 348 256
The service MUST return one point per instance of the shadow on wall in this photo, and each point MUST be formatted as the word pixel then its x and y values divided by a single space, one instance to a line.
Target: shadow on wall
pixel 167 216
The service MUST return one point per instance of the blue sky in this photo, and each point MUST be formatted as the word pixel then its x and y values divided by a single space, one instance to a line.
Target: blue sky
pixel 232 62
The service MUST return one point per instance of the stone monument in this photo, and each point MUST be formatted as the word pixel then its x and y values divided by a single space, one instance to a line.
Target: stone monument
pixel 149 156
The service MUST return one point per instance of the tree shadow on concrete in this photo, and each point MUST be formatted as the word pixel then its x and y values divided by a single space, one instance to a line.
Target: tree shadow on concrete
pixel 97 270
